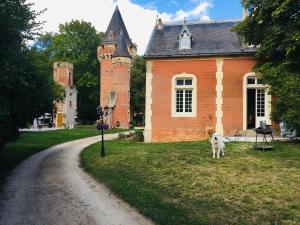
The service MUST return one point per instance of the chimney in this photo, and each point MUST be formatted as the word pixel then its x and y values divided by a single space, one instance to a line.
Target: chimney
pixel 159 24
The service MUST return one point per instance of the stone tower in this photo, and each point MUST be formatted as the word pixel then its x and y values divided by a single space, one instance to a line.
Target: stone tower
pixel 65 111
pixel 116 55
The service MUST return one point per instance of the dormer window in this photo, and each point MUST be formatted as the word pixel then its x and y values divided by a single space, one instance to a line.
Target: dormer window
pixel 185 40
pixel 185 37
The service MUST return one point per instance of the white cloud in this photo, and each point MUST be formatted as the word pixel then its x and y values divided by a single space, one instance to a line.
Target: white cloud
pixel 205 18
pixel 200 10
pixel 139 20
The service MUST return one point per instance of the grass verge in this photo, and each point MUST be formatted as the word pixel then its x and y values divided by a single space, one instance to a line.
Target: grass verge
pixel 180 183
pixel 33 142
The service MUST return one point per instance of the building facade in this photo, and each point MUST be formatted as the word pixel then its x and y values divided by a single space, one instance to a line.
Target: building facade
pixel 65 111
pixel 116 55
pixel 199 78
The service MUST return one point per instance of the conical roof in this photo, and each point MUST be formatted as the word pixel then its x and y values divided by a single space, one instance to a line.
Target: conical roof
pixel 116 24
pixel 121 47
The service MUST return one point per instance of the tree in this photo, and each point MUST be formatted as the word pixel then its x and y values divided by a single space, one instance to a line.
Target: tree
pixel 137 85
pixel 76 43
pixel 25 91
pixel 274 26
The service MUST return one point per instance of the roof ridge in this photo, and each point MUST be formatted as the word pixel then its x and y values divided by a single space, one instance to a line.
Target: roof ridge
pixel 192 22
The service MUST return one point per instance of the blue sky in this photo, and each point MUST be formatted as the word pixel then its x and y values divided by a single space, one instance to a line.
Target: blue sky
pixel 220 9
pixel 139 15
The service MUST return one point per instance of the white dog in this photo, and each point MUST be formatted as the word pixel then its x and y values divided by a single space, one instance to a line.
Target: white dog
pixel 217 144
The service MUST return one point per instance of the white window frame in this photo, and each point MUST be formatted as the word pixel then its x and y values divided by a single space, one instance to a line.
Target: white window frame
pixel 175 87
pixel 256 85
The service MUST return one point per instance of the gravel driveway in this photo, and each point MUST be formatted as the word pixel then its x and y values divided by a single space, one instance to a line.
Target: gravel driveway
pixel 49 188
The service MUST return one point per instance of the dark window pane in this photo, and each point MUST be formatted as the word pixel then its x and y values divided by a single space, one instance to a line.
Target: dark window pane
pixel 251 80
pixel 188 82
pixel 179 82
pixel 259 81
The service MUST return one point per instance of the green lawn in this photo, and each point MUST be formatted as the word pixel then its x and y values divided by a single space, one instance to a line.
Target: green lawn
pixel 180 183
pixel 33 142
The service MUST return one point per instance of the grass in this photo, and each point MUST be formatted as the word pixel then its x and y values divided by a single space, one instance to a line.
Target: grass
pixel 180 183
pixel 33 142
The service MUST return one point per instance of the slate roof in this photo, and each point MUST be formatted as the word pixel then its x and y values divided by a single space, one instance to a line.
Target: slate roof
pixel 116 24
pixel 210 38
pixel 121 47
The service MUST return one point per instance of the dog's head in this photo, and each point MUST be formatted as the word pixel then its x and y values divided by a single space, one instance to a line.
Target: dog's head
pixel 215 137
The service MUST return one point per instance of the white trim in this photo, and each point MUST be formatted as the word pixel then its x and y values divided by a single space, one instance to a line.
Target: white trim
pixel 148 105
pixel 194 96
pixel 219 97
pixel 268 106
pixel 268 99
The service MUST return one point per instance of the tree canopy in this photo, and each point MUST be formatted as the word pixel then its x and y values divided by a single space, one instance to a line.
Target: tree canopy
pixel 137 85
pixel 274 27
pixel 26 90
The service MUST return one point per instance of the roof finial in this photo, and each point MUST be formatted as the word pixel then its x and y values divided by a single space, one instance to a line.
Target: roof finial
pixel 184 20
pixel 159 24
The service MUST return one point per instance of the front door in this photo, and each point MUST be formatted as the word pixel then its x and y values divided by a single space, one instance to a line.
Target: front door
pixel 256 107
pixel 260 106
pixel 59 119
pixel 251 113
pixel 257 103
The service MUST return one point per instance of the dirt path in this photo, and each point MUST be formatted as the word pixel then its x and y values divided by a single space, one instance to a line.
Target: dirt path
pixel 49 188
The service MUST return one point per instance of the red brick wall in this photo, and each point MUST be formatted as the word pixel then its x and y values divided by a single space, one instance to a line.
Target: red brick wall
pixel 105 74
pixel 121 79
pixel 167 128
pixel 234 71
pixel 61 74
pixel 114 77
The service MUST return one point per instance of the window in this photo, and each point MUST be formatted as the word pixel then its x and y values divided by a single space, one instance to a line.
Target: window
pixel 254 81
pixel 185 41
pixel 184 96
pixel 251 80
pixel 260 102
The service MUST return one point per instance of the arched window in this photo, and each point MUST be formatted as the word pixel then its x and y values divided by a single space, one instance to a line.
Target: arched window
pixel 184 95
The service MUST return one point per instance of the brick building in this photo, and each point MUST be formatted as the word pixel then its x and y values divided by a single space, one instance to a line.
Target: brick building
pixel 65 111
pixel 116 55
pixel 199 77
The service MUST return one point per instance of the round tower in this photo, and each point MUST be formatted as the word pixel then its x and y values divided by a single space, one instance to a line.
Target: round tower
pixel 116 55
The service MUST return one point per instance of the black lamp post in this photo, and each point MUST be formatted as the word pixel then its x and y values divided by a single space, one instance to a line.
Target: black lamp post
pixel 102 112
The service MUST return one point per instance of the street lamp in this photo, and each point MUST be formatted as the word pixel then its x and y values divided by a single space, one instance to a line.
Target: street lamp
pixel 102 112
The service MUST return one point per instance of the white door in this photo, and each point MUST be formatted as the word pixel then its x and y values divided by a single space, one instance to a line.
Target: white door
pixel 260 106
